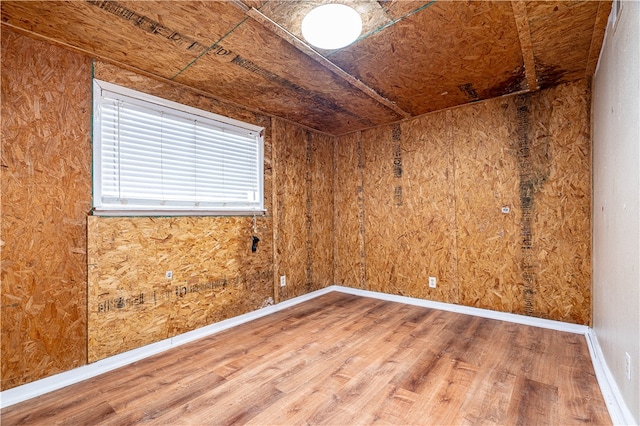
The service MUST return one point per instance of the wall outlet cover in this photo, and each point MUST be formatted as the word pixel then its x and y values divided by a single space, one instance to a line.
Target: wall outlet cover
pixel 627 365
pixel 433 282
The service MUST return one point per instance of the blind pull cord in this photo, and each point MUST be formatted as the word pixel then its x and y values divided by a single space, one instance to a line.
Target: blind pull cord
pixel 254 239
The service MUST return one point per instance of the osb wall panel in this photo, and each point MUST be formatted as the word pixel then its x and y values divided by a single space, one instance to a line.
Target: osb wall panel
pixel 561 54
pixel 118 31
pixel 290 208
pixel 182 94
pixel 493 199
pixel 383 259
pixel 303 209
pixel 215 273
pixel 46 194
pixel 349 231
pixel 486 181
pixel 427 195
pixel 561 241
pixel 446 67
pixel 215 276
pixel 408 209
pixel 319 184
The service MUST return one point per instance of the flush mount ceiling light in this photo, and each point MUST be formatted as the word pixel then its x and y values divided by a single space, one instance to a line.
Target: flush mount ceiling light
pixel 331 26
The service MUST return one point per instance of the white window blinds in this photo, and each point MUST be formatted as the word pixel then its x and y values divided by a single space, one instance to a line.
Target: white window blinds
pixel 154 156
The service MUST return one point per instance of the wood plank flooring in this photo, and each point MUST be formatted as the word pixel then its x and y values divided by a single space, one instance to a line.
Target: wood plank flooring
pixel 344 360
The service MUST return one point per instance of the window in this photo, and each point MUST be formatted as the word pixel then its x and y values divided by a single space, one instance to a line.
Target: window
pixel 157 157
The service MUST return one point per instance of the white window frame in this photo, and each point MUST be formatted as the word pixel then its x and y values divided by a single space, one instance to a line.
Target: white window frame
pixel 104 207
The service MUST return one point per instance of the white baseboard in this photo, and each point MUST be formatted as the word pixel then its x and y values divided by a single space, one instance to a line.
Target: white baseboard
pixel 61 380
pixel 468 310
pixel 618 410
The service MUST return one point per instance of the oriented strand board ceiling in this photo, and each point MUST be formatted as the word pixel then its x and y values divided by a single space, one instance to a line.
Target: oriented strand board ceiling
pixel 413 57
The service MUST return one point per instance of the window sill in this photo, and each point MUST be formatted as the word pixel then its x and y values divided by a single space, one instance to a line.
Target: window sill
pixel 167 213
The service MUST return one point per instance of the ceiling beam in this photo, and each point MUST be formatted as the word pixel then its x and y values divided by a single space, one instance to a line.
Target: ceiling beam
pixel 281 32
pixel 240 5
pixel 597 38
pixel 524 34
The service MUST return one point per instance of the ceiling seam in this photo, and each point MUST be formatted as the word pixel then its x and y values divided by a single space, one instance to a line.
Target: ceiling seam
pixel 290 38
pixel 194 60
pixel 597 38
pixel 526 45
pixel 386 10
pixel 385 26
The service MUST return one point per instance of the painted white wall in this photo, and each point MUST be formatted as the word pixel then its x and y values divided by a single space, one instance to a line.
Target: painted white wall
pixel 616 201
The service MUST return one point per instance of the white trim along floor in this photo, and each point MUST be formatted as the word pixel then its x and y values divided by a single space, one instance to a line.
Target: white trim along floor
pixel 619 412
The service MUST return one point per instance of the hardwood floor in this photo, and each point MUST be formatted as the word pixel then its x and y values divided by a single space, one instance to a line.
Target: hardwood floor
pixel 341 359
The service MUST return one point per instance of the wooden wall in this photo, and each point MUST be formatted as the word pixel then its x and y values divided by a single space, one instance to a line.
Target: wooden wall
pixel 215 273
pixel 382 209
pixel 215 276
pixel 57 312
pixel 425 198
pixel 303 209
pixel 46 195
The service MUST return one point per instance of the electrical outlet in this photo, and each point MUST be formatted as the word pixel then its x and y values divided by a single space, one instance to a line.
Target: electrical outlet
pixel 283 280
pixel 432 282
pixel 169 274
pixel 627 365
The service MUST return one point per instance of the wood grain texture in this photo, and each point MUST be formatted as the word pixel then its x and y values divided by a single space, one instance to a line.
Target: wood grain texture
pixel 46 196
pixel 52 319
pixel 487 179
pixel 524 34
pixel 561 55
pixel 343 359
pixel 321 211
pixel 423 66
pixel 562 245
pixel 413 56
pixel 299 44
pixel 431 203
pixel 597 38
pixel 215 274
pixel 303 204
pixel 409 208
pixel 348 228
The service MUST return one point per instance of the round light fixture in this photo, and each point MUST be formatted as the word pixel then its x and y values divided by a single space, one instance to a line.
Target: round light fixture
pixel 331 26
